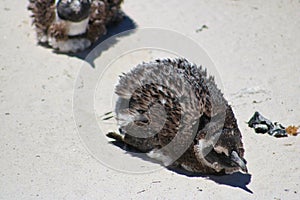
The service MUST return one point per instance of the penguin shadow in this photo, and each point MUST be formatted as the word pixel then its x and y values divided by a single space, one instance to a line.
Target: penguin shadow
pixel 90 54
pixel 237 179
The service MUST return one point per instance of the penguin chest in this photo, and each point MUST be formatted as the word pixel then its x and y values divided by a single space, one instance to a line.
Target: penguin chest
pixel 77 28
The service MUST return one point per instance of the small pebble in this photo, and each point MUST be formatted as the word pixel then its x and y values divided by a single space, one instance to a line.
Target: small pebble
pixel 141 191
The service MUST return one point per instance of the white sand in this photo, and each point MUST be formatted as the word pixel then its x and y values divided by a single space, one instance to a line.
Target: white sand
pixel 255 46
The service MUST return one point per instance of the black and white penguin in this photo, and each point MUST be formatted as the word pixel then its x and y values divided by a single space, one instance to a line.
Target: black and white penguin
pixel 173 111
pixel 73 25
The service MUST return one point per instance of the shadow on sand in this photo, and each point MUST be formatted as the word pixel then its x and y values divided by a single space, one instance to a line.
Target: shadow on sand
pixel 125 25
pixel 237 179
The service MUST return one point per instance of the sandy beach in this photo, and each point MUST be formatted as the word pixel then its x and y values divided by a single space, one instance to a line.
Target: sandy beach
pixel 49 135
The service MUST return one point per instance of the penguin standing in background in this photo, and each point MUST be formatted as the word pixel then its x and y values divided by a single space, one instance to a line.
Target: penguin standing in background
pixel 71 26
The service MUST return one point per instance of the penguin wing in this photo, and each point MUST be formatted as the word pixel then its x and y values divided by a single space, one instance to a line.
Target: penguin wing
pixel 96 27
pixel 43 14
pixel 103 13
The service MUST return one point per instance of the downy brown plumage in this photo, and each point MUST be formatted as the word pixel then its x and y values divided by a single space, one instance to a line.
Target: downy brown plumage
pixel 73 25
pixel 173 111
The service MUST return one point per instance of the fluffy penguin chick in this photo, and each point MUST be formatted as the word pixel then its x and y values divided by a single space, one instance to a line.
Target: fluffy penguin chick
pixel 73 25
pixel 173 111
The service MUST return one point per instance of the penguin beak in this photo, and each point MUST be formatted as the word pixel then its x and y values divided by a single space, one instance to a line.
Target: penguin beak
pixel 234 157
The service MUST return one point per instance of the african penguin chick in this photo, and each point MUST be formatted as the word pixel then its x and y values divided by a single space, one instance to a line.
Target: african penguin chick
pixel 173 111
pixel 73 25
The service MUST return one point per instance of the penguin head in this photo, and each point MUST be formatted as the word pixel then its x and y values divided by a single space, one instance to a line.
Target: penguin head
pixel 222 149
pixel 227 154
pixel 73 10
